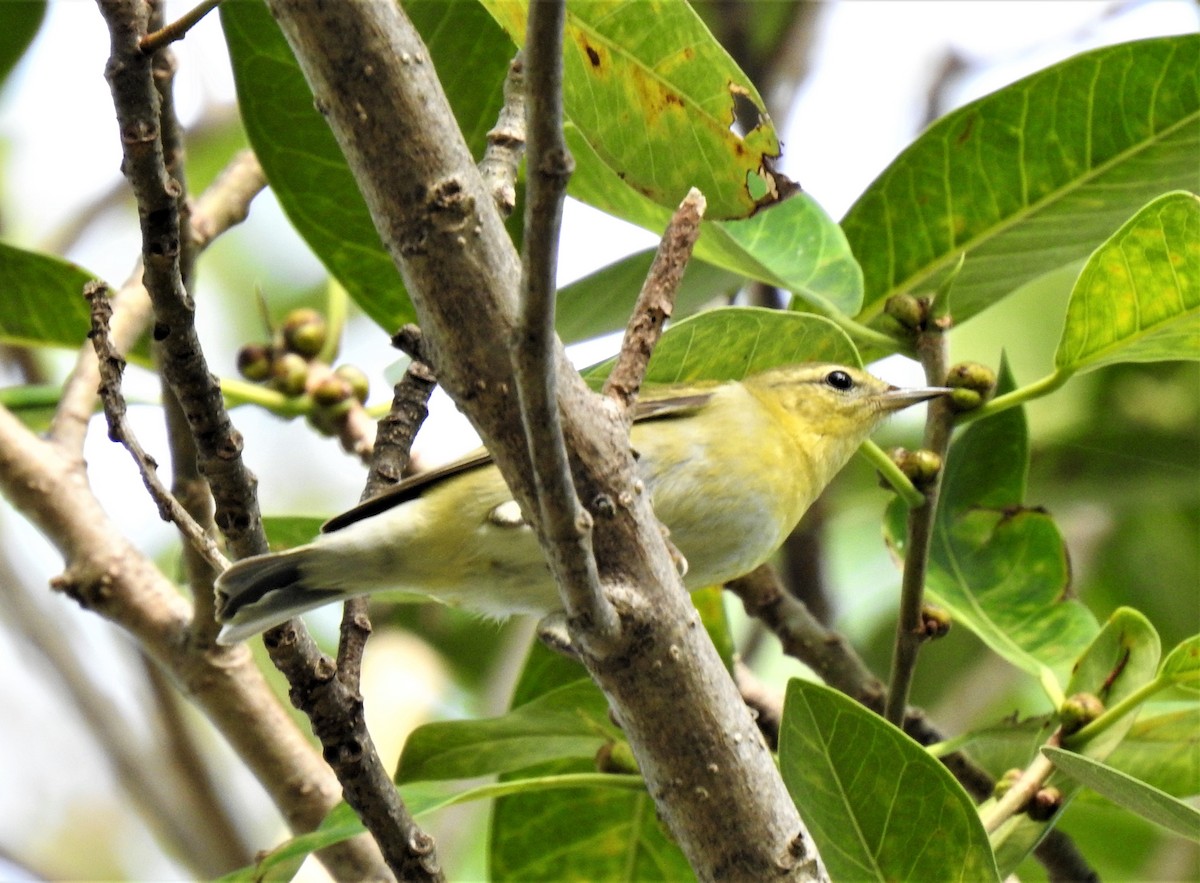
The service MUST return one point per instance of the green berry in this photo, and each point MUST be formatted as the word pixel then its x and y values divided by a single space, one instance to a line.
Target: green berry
pixel 909 311
pixel 254 362
pixel 1078 711
pixel 358 381
pixel 331 390
pixel 289 374
pixel 304 332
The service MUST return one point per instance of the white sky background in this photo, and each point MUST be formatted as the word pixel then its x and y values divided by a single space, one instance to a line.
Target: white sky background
pixel 873 63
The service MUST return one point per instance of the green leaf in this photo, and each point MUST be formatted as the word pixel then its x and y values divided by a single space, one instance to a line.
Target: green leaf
pixel 1182 665
pixel 657 102
pixel 19 23
pixel 43 299
pixel 1162 749
pixel 281 863
pixel 598 833
pixel 878 806
pixel 302 160
pixel 1138 297
pixel 568 722
pixel 601 303
pixel 289 531
pixel 999 566
pixel 1121 659
pixel 1033 176
pixel 1126 791
pixel 304 165
pixel 793 245
pixel 734 342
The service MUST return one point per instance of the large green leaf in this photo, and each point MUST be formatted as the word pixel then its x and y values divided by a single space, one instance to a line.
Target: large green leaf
pixel 793 245
pixel 999 566
pixel 302 160
pixel 733 342
pixel 592 833
pixel 568 722
pixel 1033 176
pixel 878 806
pixel 601 303
pixel 654 93
pixel 43 302
pixel 1124 790
pixel 1138 297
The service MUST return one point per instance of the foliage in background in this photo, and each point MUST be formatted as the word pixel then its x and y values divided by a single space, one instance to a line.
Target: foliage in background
pixel 1091 164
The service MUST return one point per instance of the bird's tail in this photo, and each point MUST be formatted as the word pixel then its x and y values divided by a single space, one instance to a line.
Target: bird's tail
pixel 258 593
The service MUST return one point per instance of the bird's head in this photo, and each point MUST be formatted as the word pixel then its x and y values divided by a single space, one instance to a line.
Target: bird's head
pixel 835 401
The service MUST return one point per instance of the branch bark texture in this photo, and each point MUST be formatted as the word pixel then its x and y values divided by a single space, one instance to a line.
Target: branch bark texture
pixel 712 777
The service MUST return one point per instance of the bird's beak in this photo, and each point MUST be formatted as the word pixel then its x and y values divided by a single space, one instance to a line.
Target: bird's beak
pixel 896 398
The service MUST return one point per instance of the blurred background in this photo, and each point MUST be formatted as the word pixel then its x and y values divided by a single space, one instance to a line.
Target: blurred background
pixel 1117 458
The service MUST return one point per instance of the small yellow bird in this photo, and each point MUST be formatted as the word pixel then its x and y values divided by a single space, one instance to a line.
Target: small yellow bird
pixel 730 468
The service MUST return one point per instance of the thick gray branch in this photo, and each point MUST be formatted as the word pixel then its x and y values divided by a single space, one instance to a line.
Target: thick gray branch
pixel 713 779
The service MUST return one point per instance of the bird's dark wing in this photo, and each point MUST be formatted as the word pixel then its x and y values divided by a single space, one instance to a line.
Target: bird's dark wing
pixel 406 490
pixel 410 488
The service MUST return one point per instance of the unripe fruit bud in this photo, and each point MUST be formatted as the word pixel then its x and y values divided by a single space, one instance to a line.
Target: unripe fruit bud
pixel 254 362
pixel 972 375
pixel 1045 803
pixel 920 466
pixel 331 390
pixel 965 400
pixel 290 374
pixel 616 757
pixel 909 311
pixel 323 420
pixel 935 622
pixel 304 332
pixel 1005 782
pixel 359 384
pixel 1078 711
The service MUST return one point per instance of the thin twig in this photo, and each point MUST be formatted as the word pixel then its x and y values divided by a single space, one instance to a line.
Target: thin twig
pixel 565 525
pixel 177 29
pixel 910 631
pixel 506 141
pixel 111 368
pixel 1016 798
pixel 393 444
pixel 803 637
pixel 656 300
pixel 226 202
pixel 137 102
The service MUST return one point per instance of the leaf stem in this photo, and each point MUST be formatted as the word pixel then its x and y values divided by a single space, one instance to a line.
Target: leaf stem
pixel 336 307
pixel 1130 703
pixel 892 474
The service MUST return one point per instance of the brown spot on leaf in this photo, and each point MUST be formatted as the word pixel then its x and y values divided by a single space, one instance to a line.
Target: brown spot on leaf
pixel 592 54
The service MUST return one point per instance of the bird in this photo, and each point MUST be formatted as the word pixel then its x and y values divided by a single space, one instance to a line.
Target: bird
pixel 730 468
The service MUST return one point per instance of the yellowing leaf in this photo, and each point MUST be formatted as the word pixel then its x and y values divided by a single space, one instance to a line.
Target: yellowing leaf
pixel 657 104
pixel 1138 297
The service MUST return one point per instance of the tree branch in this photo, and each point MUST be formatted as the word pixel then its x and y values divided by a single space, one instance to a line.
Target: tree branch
pixel 506 141
pixel 656 301
pixel 939 424
pixel 690 730
pixel 564 526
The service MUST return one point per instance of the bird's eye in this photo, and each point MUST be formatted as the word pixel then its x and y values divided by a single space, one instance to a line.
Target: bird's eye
pixel 839 380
